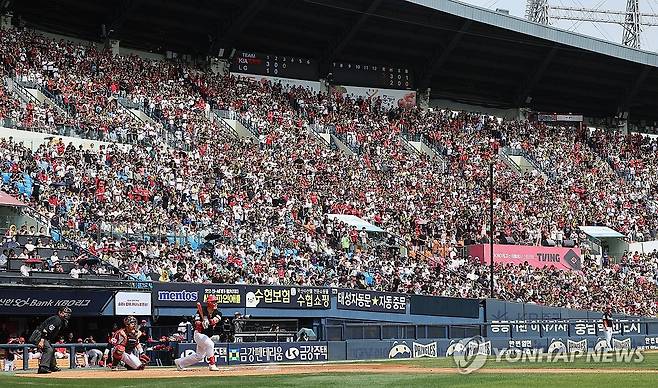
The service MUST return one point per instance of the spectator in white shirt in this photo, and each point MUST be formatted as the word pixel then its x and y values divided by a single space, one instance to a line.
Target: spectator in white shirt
pixel 25 270
pixel 3 259
pixel 54 260
pixel 76 271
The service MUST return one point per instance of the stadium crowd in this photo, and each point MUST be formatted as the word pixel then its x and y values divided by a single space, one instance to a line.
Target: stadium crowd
pixel 147 208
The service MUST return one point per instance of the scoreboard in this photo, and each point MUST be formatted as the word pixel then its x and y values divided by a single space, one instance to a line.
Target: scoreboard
pixel 274 65
pixel 376 76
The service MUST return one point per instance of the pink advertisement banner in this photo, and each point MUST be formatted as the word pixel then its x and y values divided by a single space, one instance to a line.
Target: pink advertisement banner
pixel 561 258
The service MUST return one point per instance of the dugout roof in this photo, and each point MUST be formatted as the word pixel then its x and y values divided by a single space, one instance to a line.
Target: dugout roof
pixel 462 52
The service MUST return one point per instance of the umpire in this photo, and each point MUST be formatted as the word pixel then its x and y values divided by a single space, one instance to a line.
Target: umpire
pixel 47 333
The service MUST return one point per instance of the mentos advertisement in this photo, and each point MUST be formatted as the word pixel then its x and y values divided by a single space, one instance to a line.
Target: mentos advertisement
pixel 567 259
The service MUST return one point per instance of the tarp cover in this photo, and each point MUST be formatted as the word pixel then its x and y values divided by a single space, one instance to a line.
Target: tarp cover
pixel 357 222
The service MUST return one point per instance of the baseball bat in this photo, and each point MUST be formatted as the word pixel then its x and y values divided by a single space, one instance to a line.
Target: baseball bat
pixel 199 308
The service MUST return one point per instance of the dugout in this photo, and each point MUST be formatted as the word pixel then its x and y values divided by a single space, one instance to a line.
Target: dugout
pixel 603 240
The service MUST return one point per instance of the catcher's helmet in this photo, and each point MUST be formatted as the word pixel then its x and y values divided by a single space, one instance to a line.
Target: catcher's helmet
pixel 129 320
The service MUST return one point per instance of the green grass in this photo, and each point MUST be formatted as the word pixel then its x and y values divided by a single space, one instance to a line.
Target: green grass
pixel 340 380
pixel 374 380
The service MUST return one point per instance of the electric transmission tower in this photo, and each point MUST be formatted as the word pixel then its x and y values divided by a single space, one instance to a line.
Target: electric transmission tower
pixel 632 20
pixel 537 11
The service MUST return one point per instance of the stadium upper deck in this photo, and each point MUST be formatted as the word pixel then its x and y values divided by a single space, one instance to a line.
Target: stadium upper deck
pixel 460 52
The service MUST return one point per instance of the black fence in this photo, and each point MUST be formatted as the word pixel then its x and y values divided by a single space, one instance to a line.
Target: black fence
pixel 24 350
pixel 160 353
pixel 60 279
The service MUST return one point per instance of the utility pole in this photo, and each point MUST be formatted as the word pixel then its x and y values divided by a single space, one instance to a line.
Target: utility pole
pixel 491 225
pixel 632 20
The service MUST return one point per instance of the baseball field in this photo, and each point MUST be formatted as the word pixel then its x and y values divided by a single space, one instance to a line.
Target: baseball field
pixel 409 373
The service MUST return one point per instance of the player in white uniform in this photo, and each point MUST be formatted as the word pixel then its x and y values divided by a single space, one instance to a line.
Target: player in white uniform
pixel 207 324
pixel 607 327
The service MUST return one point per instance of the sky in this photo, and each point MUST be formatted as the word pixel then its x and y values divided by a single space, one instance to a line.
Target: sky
pixel 610 32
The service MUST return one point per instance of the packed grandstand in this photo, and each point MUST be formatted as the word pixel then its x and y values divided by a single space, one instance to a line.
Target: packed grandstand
pixel 146 198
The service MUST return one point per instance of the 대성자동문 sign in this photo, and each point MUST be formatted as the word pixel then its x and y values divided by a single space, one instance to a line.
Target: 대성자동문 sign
pixel 375 301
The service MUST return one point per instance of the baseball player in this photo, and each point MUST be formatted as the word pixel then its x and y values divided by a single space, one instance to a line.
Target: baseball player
pixel 125 342
pixel 607 327
pixel 207 327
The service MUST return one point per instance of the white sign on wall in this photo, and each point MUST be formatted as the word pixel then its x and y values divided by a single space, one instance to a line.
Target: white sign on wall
pixel 132 303
pixel 285 82
pixel 391 98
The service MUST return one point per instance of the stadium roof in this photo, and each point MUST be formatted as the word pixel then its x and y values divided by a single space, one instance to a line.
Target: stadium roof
pixel 8 200
pixel 601 232
pixel 462 52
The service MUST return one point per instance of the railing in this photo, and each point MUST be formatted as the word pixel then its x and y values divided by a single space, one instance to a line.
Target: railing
pixel 76 130
pixel 350 143
pixel 193 239
pixel 531 159
pixel 128 104
pixel 316 130
pixel 439 150
pixel 72 351
pixel 511 163
pixel 265 336
pixel 57 100
pixel 85 280
pixel 73 348
pixel 225 126
pixel 157 356
pixel 17 88
pixel 410 148
pixel 58 236
pixel 233 115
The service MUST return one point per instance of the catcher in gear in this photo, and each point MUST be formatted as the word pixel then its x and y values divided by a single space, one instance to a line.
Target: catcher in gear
pixel 126 346
pixel 207 326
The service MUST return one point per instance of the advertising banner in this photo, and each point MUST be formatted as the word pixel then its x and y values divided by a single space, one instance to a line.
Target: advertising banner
pixel 262 352
pixel 557 117
pixel 132 303
pixel 285 82
pixel 287 297
pixel 187 294
pixel 650 343
pixel 266 352
pixel 373 301
pixel 32 301
pixel 390 98
pixel 555 329
pixel 537 256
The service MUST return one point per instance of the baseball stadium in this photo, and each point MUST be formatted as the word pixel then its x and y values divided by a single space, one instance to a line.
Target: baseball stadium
pixel 345 193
